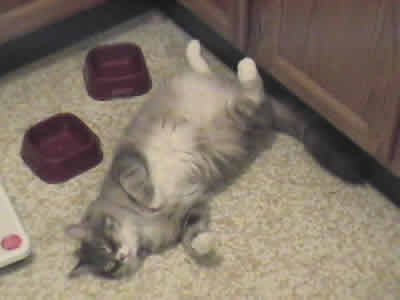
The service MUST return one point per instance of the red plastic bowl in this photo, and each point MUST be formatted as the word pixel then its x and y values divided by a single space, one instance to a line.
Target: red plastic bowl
pixel 60 148
pixel 117 70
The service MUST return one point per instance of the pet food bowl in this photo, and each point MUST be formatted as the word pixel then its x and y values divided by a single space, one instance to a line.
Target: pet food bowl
pixel 117 70
pixel 60 148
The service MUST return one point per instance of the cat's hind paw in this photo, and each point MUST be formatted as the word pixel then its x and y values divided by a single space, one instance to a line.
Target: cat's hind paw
pixel 194 48
pixel 247 70
pixel 204 243
pixel 196 61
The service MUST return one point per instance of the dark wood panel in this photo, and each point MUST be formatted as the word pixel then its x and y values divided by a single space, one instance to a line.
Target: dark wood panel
pixel 340 44
pixel 295 32
pixel 339 58
pixel 6 5
pixel 227 17
pixel 387 86
pixel 35 14
pixel 263 37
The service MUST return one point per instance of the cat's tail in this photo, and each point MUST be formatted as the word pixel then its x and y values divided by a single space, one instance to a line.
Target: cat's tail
pixel 195 59
pixel 337 153
pixel 330 148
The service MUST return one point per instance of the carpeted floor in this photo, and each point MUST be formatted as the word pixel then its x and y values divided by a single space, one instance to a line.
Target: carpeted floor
pixel 286 228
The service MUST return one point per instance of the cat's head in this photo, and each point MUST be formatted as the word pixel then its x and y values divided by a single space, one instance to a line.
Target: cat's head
pixel 112 242
pixel 124 228
pixel 105 250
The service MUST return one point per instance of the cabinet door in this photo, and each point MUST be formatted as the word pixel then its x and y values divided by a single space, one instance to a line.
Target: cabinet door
pixel 6 5
pixel 342 58
pixel 227 17
pixel 18 17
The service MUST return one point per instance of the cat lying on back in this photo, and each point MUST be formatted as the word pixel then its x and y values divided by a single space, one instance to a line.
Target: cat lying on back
pixel 182 145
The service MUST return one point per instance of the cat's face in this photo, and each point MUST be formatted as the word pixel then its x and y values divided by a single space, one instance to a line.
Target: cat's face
pixel 105 250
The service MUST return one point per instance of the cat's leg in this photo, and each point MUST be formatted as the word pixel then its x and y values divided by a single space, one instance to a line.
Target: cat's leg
pixel 251 109
pixel 250 80
pixel 195 59
pixel 197 240
pixel 248 73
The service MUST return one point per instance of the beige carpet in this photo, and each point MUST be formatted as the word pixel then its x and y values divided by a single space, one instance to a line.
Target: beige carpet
pixel 287 229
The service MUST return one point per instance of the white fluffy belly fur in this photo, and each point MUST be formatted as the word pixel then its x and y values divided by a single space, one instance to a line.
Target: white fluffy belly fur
pixel 193 101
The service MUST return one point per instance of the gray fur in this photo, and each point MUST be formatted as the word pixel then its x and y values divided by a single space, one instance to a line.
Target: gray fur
pixel 182 144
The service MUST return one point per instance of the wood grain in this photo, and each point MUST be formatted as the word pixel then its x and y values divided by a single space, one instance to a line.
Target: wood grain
pixel 36 13
pixel 340 57
pixel 227 17
pixel 6 5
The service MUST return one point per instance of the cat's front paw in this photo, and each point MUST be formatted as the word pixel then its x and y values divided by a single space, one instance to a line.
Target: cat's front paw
pixel 204 243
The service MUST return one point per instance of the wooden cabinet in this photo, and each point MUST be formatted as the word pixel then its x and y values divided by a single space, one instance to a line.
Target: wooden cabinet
pixel 6 5
pixel 18 17
pixel 227 17
pixel 342 58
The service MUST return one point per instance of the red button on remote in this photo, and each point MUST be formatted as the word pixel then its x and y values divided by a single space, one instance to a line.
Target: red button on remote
pixel 11 242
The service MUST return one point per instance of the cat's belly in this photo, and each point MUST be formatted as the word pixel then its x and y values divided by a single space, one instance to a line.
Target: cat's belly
pixel 200 98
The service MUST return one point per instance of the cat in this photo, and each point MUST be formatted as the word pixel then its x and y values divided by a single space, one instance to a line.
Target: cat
pixel 184 143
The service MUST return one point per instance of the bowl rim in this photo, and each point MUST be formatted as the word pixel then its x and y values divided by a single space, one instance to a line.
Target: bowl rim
pixel 94 74
pixel 93 139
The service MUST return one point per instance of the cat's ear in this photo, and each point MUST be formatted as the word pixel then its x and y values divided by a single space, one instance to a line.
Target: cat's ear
pixel 78 231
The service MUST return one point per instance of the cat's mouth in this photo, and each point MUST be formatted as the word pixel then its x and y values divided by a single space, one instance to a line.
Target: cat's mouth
pixel 125 256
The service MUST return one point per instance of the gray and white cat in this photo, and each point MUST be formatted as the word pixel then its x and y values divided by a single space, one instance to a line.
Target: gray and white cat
pixel 183 144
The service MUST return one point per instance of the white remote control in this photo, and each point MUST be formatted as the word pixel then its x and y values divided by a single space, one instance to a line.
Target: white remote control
pixel 14 242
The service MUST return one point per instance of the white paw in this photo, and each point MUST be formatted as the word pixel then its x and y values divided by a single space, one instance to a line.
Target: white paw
pixel 194 48
pixel 247 70
pixel 204 243
pixel 196 61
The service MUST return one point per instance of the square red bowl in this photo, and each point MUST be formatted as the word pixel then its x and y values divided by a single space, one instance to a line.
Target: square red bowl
pixel 60 148
pixel 117 70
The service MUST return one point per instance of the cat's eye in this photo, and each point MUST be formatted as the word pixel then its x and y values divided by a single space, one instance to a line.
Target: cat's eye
pixel 106 249
pixel 192 219
pixel 143 252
